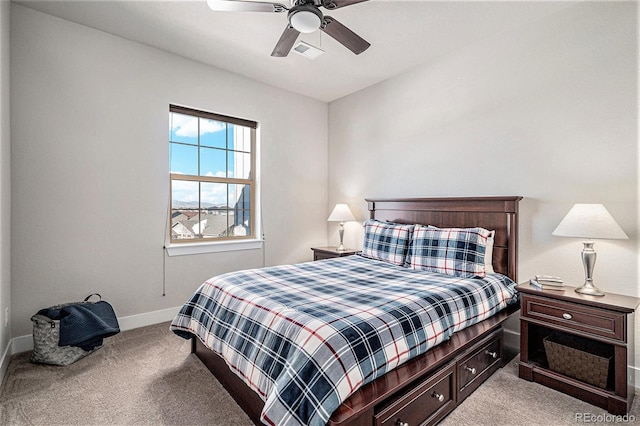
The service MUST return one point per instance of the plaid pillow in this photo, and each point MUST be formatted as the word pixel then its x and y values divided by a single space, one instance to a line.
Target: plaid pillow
pixel 453 251
pixel 386 241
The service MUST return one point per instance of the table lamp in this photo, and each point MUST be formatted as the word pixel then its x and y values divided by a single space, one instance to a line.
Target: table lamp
pixel 589 221
pixel 341 213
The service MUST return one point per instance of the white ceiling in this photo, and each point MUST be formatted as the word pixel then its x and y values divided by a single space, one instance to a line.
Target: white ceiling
pixel 403 34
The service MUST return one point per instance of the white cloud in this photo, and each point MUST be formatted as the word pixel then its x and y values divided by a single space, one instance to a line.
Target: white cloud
pixel 184 190
pixel 212 193
pixel 185 125
pixel 210 126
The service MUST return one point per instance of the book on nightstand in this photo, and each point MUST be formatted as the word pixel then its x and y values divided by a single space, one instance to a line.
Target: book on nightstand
pixel 547 282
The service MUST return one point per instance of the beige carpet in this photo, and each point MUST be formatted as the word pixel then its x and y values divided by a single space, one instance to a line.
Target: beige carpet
pixel 145 376
pixel 148 377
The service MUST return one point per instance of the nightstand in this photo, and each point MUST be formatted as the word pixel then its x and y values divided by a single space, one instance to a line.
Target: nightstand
pixel 331 252
pixel 587 328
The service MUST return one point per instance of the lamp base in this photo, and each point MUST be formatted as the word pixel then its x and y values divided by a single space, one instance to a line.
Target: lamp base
pixel 590 289
pixel 341 232
pixel 588 261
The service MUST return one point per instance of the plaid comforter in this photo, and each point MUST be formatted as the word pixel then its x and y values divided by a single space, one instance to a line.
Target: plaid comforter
pixel 306 336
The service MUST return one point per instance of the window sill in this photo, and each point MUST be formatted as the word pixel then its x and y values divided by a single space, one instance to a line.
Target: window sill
pixel 215 247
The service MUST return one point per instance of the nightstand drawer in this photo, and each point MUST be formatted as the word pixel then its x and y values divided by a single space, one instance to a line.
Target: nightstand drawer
pixel 586 319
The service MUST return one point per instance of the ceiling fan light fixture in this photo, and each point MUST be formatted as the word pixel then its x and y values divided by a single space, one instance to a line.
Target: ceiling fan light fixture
pixel 305 18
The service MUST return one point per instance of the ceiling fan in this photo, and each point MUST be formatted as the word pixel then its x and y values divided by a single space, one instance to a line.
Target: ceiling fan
pixel 304 17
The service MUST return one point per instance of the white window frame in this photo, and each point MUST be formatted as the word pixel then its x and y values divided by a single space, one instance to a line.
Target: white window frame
pixel 184 246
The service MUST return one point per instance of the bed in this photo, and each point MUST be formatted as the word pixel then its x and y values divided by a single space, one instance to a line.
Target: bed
pixel 301 370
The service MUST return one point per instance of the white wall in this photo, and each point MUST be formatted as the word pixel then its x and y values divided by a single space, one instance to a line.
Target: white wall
pixel 89 115
pixel 548 111
pixel 5 180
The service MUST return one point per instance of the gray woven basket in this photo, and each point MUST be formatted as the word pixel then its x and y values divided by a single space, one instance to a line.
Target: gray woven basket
pixel 46 336
pixel 578 359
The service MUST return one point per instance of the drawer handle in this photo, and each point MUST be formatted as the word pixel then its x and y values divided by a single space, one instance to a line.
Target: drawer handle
pixel 493 355
pixel 438 396
pixel 401 423
pixel 470 369
pixel 567 316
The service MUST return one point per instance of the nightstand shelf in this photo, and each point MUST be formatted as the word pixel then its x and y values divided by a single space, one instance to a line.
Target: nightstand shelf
pixel 596 326
pixel 320 253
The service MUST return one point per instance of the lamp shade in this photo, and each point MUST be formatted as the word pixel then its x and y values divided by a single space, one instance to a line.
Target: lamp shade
pixel 590 221
pixel 341 213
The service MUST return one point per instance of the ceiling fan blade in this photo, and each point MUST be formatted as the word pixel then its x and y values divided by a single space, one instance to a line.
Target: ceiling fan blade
pixel 284 45
pixel 244 6
pixel 334 4
pixel 344 35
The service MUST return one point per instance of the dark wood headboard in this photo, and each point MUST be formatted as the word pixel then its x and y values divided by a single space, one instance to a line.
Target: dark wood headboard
pixel 492 213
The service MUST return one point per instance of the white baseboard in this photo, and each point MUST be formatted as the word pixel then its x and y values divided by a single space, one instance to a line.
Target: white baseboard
pixel 4 361
pixel 149 318
pixel 21 344
pixel 636 370
pixel 25 343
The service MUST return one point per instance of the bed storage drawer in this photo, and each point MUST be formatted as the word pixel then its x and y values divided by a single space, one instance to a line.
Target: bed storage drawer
pixel 585 319
pixel 478 364
pixel 429 401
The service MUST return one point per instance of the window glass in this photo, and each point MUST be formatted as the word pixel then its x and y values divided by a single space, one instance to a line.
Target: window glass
pixel 184 128
pixel 213 133
pixel 184 159
pixel 239 164
pixel 213 162
pixel 212 184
